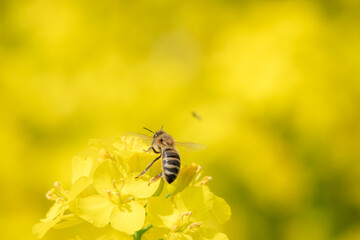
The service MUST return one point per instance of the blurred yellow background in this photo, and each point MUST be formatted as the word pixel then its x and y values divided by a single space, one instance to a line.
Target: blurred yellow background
pixel 276 83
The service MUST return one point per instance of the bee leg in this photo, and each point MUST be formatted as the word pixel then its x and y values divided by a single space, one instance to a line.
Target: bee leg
pixel 147 168
pixel 154 179
pixel 151 147
pixel 148 149
pixel 155 150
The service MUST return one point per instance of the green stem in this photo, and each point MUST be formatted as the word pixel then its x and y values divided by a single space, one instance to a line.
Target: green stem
pixel 137 235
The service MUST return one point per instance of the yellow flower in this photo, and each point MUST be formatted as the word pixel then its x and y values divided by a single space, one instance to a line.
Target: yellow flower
pixel 118 201
pixel 81 169
pixel 186 176
pixel 185 213
pixel 106 192
pixel 63 201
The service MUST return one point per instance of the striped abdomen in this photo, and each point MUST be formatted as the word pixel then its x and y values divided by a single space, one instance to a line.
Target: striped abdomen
pixel 170 164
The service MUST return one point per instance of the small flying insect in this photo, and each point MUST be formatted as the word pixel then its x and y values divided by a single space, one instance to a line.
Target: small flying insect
pixel 164 144
pixel 196 115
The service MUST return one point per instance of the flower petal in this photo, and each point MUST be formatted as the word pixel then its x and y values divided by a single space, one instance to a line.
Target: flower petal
pixel 198 200
pixel 178 236
pixel 95 209
pixel 128 217
pixel 81 166
pixel 161 212
pixel 68 222
pixel 115 235
pixel 206 233
pixel 184 178
pixel 154 233
pixel 104 175
pixel 139 187
pixel 80 185
pixel 41 228
pixel 132 155
pixel 221 209
pixel 54 212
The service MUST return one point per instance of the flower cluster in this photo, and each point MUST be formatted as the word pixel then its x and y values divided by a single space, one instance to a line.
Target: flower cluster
pixel 105 191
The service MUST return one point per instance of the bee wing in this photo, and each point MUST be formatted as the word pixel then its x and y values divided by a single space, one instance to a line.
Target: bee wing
pixel 190 145
pixel 145 138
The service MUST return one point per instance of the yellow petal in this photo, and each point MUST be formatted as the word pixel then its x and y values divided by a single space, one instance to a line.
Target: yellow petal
pixel 80 185
pixel 128 217
pixel 198 200
pixel 53 212
pixel 68 223
pixel 184 178
pixel 104 175
pixel 113 234
pixel 95 209
pixel 41 228
pixel 76 238
pixel 130 144
pixel 206 233
pixel 161 212
pixel 133 158
pixel 221 209
pixel 179 236
pixel 139 187
pixel 81 166
pixel 154 233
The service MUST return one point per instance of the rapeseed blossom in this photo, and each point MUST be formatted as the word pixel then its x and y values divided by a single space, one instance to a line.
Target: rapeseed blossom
pixel 105 192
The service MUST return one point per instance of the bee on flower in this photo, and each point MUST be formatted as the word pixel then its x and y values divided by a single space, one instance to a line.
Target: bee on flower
pixel 108 189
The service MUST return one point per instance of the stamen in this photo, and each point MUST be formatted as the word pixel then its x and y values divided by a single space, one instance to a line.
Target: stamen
pixel 174 228
pixel 58 186
pixel 198 173
pixel 129 199
pixel 103 155
pixel 204 180
pixel 194 225
pixel 51 195
pixel 184 220
pixel 60 191
pixel 108 192
pixel 122 183
pixel 185 214
pixel 60 200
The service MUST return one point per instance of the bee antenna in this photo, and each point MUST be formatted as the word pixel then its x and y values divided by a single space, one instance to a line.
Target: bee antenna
pixel 148 129
pixel 161 127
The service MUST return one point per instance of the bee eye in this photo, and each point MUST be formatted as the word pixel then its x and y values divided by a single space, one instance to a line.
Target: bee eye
pixel 155 136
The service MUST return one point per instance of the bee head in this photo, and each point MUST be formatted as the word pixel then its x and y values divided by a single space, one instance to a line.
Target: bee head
pixel 158 133
pixel 161 138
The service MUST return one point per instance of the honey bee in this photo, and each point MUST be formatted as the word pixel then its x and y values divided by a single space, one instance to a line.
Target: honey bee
pixel 164 144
